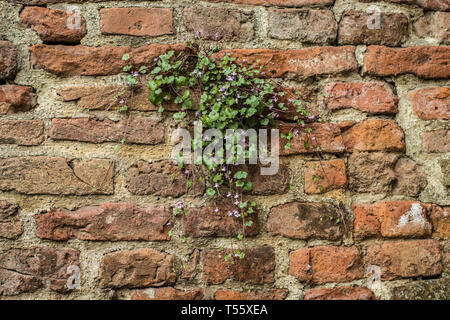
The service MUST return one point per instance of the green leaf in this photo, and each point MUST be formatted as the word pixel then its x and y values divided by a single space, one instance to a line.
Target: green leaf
pixel 126 57
pixel 240 237
pixel 210 192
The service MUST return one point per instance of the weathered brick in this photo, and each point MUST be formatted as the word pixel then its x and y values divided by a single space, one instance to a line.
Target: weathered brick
pixel 355 28
pixel 300 62
pixel 411 179
pixel 434 25
pixel 322 176
pixel 105 98
pixel 54 25
pixel 133 130
pixel 341 293
pixel 326 264
pixel 257 267
pixel 160 178
pixel 220 23
pixel 371 172
pixel 311 26
pixel 54 175
pixel 203 222
pixel 10 222
pixel 440 218
pixel 441 5
pixel 22 132
pixel 137 269
pixel 16 99
pixel 190 268
pixel 327 136
pixel 277 294
pixel 431 103
pixel 110 221
pixel 137 21
pixel 168 293
pixel 405 259
pixel 266 184
pixel 94 61
pixel 8 60
pixel 393 219
pixel 424 62
pixel 370 97
pixel 280 3
pixel 27 269
pixel 374 135
pixel 298 220
pixel 436 141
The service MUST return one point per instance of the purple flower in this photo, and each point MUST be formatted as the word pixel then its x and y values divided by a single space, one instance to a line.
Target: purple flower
pixel 184 38
pixel 311 117
pixel 169 223
pixel 199 33
pixel 244 61
pixel 122 101
pixel 230 213
pixel 216 210
pixel 136 74
pixel 275 115
pixel 236 202
pixel 216 36
pixel 313 138
pixel 296 132
pixel 156 59
pixel 216 185
pixel 229 78
pixel 186 172
pixel 236 196
pixel 197 114
pixel 179 204
pixel 229 194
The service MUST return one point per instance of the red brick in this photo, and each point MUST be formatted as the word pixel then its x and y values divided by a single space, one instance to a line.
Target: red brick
pixel 442 5
pixel 10 222
pixel 27 269
pixel 329 174
pixel 110 221
pixel 69 61
pixel 436 141
pixel 304 221
pixel 393 219
pixel 440 218
pixel 266 184
pixel 8 60
pixel 341 293
pixel 220 23
pixel 137 268
pixel 406 259
pixel 58 176
pixel 22 132
pixel 168 293
pixel 370 97
pixel 327 136
pixel 374 135
pixel 372 172
pixel 280 3
pixel 133 130
pixel 310 26
pixel 431 103
pixel 190 268
pixel 300 62
pixel 326 264
pixel 257 267
pixel 162 178
pixel 277 294
pixel 53 25
pixel 354 29
pixel 434 25
pixel 424 62
pixel 205 222
pixel 16 99
pixel 105 98
pixel 137 21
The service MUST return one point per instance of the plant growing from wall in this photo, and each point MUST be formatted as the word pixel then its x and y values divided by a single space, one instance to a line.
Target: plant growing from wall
pixel 215 89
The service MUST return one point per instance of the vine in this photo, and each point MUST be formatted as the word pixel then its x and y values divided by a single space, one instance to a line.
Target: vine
pixel 208 86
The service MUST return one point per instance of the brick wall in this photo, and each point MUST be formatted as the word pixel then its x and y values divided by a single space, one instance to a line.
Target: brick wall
pixel 69 197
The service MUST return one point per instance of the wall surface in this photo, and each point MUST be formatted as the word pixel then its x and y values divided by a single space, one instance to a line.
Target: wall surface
pixel 70 198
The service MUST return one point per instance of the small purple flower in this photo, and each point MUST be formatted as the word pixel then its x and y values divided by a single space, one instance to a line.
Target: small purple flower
pixel 186 172
pixel 229 78
pixel 184 38
pixel 197 114
pixel 296 132
pixel 199 33
pixel 224 169
pixel 303 125
pixel 236 202
pixel 216 36
pixel 156 59
pixel 179 204
pixel 236 196
pixel 229 194
pixel 122 101
pixel 244 61
pixel 216 210
pixel 263 73
pixel 169 223
pixel 230 213
pixel 275 115
pixel 290 100
pixel 128 84
pixel 216 185
pixel 312 117
pixel 136 74
pixel 313 138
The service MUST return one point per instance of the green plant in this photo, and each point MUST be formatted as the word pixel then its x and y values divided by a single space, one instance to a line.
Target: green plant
pixel 209 86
